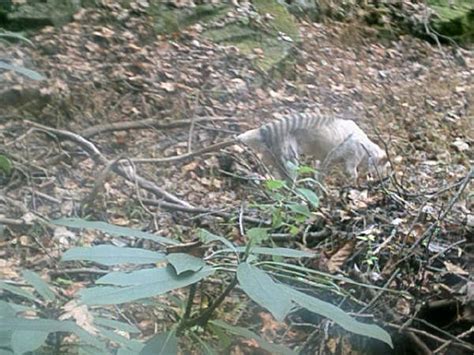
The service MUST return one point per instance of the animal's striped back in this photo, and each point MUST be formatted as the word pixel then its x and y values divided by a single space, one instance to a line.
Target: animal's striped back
pixel 275 132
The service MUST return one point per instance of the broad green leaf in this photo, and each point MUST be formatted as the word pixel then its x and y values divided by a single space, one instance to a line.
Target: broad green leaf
pixel 49 326
pixel 257 235
pixel 223 338
pixel 161 344
pixel 21 308
pixel 300 209
pixel 309 196
pixel 158 281
pixel 138 277
pixel 275 184
pixel 245 333
pixel 25 340
pixel 263 290
pixel 114 324
pixel 285 252
pixel 185 262
pixel 336 314
pixel 6 310
pixel 206 348
pixel 5 165
pixel 112 255
pixel 17 291
pixel 207 237
pixel 111 229
pixel 40 286
pixel 21 70
pixel 132 345
pixel 85 349
pixel 5 342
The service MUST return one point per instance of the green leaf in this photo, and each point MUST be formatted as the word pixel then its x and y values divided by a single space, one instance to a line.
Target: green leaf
pixel 124 342
pixel 112 255
pixel 263 290
pixel 49 326
pixel 285 252
pixel 245 333
pixel 5 165
pixel 117 325
pixel 277 218
pixel 21 308
pixel 111 229
pixel 223 338
pixel 6 310
pixel 257 235
pixel 206 348
pixel 309 196
pixel 21 70
pixel 275 184
pixel 306 170
pixel 23 341
pixel 337 315
pixel 140 284
pixel 207 237
pixel 161 344
pixel 185 262
pixel 300 209
pixel 5 343
pixel 17 291
pixel 40 286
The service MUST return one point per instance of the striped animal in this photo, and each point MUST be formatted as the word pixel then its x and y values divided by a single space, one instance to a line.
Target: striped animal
pixel 329 140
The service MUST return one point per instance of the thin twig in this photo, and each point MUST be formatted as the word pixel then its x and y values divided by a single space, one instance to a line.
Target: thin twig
pixel 178 158
pixel 121 170
pixel 155 122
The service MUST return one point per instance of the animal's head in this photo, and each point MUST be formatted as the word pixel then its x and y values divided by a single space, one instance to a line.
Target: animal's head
pixel 378 164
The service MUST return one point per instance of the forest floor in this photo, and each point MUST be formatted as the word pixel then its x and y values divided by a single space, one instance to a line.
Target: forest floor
pixel 412 233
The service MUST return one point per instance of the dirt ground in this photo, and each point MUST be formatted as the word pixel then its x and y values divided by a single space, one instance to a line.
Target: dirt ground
pixel 411 97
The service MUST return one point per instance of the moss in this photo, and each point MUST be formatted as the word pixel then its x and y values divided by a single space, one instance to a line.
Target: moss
pixel 36 15
pixel 231 32
pixel 275 52
pixel 455 21
pixel 282 20
pixel 169 21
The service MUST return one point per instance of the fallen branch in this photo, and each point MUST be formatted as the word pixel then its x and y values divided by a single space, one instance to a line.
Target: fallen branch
pixel 177 158
pixel 98 157
pixel 199 210
pixel 155 122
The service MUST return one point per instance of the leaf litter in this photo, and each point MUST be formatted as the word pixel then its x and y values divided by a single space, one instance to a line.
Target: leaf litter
pixel 408 94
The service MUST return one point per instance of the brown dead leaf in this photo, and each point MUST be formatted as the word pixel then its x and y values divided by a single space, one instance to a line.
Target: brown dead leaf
pixel 168 86
pixel 253 343
pixel 403 306
pixel 331 345
pixel 270 326
pixel 339 258
pixel 455 269
pixel 359 199
pixel 190 167
pixel 81 316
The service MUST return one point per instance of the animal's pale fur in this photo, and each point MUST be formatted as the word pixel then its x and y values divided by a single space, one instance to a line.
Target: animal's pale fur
pixel 329 140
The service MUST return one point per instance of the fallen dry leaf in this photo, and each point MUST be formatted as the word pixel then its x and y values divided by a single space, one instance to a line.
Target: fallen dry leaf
pixel 338 258
pixel 455 269
pixel 81 316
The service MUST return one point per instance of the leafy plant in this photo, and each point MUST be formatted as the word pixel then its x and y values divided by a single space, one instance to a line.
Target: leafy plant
pixel 22 70
pixel 247 266
pixel 20 334
pixel 289 206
